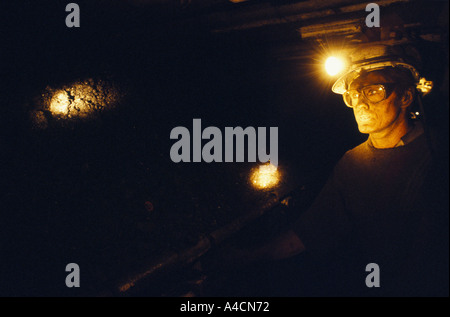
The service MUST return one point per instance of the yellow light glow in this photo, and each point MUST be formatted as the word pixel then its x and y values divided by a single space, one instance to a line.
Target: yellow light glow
pixel 266 176
pixel 60 103
pixel 81 100
pixel 334 65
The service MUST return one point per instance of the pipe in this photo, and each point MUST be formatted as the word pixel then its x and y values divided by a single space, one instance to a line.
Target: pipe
pixel 136 280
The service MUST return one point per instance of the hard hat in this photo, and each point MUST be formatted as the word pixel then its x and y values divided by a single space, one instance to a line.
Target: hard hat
pixel 378 56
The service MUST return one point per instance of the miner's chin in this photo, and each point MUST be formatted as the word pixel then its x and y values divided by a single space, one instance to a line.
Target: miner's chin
pixel 364 128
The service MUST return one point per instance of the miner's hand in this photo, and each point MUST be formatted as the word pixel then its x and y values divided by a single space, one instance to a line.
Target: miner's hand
pixel 228 257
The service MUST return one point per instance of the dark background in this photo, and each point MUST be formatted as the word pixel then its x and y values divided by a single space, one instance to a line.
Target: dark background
pixel 77 193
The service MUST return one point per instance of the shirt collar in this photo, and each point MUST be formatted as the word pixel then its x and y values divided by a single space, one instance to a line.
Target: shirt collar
pixel 410 136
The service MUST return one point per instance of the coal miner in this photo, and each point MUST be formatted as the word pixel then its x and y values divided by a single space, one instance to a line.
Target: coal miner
pixel 384 202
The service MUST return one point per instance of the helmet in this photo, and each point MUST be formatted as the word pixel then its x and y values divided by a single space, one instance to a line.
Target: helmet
pixel 378 56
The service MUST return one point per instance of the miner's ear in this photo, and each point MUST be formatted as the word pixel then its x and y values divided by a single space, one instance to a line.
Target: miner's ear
pixel 407 97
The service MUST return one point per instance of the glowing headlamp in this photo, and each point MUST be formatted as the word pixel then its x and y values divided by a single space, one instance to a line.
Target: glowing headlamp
pixel 334 65
pixel 373 57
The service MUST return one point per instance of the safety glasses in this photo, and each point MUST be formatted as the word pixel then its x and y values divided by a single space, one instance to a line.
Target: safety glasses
pixel 372 93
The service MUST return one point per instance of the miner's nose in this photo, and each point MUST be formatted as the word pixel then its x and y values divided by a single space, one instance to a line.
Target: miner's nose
pixel 361 103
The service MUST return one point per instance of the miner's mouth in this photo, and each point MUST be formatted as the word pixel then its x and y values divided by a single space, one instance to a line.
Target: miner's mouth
pixel 364 118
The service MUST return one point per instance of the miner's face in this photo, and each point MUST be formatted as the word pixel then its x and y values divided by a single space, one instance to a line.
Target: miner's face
pixel 374 117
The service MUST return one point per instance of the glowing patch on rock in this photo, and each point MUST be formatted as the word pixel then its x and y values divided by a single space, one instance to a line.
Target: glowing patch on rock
pixel 60 103
pixel 266 176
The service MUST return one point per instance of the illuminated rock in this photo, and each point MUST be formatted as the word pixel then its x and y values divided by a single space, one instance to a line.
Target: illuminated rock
pixel 80 100
pixel 266 176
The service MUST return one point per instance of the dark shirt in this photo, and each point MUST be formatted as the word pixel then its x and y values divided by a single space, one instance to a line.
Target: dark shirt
pixel 382 206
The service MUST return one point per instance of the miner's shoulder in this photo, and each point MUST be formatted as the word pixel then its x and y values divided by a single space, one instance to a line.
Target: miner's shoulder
pixel 355 153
